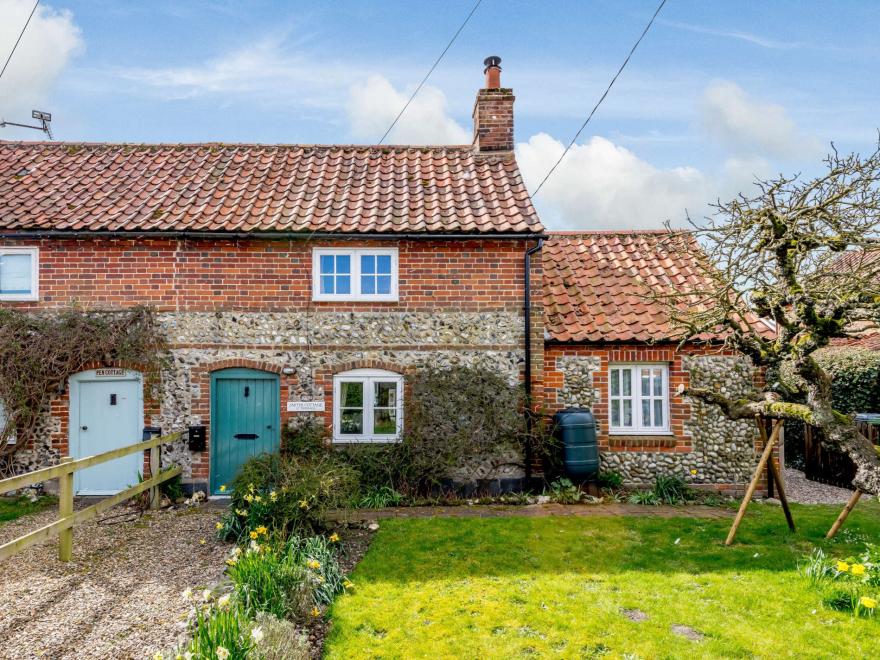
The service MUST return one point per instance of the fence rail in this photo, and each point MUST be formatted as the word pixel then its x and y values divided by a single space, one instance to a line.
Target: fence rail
pixel 64 471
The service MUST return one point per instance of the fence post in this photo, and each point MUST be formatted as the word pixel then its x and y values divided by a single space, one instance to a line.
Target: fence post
pixel 154 470
pixel 65 508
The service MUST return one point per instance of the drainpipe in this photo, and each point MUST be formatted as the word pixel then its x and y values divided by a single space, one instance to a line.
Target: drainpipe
pixel 527 309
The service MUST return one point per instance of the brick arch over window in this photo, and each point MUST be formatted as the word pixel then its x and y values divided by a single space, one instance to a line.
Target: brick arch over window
pixel 200 408
pixel 324 383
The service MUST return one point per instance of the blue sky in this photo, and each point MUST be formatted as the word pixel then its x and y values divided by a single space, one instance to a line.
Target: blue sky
pixel 718 93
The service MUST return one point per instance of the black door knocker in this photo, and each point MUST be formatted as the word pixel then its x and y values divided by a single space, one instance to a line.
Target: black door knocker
pixel 247 391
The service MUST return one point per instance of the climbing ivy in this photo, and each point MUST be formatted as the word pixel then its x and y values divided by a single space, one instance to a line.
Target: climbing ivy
pixel 40 351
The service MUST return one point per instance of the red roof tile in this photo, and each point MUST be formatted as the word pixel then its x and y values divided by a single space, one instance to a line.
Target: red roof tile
pixel 218 187
pixel 595 284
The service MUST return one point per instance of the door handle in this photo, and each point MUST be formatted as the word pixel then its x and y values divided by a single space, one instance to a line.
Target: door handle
pixel 245 436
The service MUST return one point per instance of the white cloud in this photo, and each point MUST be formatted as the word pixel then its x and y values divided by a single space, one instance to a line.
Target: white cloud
pixel 746 125
pixel 600 185
pixel 46 47
pixel 755 39
pixel 374 103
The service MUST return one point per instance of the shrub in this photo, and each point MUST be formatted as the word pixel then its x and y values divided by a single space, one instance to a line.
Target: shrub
pixel 319 555
pixel 670 489
pixel 610 479
pixel 379 498
pixel 280 640
pixel 563 491
pixel 308 438
pixel 287 494
pixel 644 497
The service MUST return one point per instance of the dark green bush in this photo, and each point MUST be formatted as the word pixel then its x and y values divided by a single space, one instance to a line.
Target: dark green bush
pixel 306 439
pixel 670 489
pixel 610 479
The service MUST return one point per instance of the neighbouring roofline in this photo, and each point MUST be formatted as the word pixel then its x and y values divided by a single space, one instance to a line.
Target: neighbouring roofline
pixel 618 232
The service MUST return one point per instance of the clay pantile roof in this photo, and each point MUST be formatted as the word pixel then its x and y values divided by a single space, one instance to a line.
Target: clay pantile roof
pixel 266 188
pixel 594 284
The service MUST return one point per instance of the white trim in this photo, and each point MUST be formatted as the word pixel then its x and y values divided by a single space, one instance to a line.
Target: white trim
pixel 636 398
pixel 34 294
pixel 355 295
pixel 367 377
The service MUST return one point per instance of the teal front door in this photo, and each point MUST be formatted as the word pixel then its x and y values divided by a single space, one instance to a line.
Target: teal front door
pixel 245 420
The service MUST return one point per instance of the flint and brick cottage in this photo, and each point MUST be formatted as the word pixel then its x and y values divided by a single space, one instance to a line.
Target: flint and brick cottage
pixel 298 280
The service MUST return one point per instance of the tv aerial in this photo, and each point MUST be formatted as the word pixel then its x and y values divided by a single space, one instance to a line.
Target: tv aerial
pixel 43 117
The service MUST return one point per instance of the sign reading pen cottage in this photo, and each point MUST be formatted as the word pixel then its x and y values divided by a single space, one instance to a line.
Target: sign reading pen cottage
pixel 305 406
pixel 109 373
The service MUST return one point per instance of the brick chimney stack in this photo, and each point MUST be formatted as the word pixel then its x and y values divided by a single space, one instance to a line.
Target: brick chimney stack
pixel 493 112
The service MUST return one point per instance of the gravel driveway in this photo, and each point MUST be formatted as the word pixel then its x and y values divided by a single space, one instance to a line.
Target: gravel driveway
pixel 118 598
pixel 799 489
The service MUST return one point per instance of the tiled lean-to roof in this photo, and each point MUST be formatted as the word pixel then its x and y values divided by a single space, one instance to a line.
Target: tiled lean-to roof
pixel 595 284
pixel 253 188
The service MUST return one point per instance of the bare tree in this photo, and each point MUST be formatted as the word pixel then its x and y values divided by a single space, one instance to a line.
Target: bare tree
pixel 804 256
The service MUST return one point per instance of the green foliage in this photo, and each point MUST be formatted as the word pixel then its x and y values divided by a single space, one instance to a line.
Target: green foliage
pixel 38 352
pixel 319 555
pixel 219 631
pixel 280 639
pixel 172 488
pixel 380 498
pixel 671 489
pixel 855 377
pixel 287 494
pixel 15 507
pixel 305 439
pixel 610 479
pixel 563 491
pixel 644 497
pixel 848 585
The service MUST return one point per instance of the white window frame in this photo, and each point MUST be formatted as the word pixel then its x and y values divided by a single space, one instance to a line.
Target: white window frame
pixel 638 428
pixel 35 275
pixel 367 377
pixel 4 420
pixel 355 294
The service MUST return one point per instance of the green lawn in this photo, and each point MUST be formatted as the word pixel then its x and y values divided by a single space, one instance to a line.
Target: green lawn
pixel 557 587
pixel 16 507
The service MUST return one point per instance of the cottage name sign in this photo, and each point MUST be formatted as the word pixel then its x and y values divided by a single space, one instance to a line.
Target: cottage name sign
pixel 305 406
pixel 108 373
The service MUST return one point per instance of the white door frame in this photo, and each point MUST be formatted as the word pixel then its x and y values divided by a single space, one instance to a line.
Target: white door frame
pixel 73 421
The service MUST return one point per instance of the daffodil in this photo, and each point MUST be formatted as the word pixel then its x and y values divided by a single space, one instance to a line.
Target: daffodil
pixel 262 530
pixel 867 602
pixel 248 498
pixel 334 538
pixel 236 551
pixel 158 655
pixel 219 525
pixel 231 562
pixel 187 594
pixel 858 569
pixel 187 656
pixel 251 486
pixel 222 653
pixel 258 498
pixel 303 504
pixel 253 535
pixel 257 635
pixel 223 488
pixel 273 496
pixel 348 584
pixel 206 595
pixel 202 541
pixel 241 512
pixel 316 612
pixel 842 567
pixel 314 564
pixel 223 601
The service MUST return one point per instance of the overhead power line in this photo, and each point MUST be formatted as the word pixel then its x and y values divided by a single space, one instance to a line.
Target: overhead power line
pixel 21 34
pixel 601 98
pixel 431 70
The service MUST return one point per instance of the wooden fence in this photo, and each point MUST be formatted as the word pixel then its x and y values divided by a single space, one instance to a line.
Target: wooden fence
pixel 831 467
pixel 63 526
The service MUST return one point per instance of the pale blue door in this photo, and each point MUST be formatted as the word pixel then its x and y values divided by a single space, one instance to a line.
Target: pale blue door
pixel 108 414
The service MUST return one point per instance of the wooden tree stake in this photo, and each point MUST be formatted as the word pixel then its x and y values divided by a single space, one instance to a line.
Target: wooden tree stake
pixel 777 479
pixel 844 514
pixel 753 485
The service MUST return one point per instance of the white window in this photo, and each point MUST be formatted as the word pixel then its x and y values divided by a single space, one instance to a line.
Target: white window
pixel 354 274
pixel 19 273
pixel 3 421
pixel 367 406
pixel 638 396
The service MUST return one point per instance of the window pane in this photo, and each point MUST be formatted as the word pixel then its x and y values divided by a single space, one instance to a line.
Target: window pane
pixel 615 382
pixel 646 382
pixel 326 263
pixel 351 422
pixel 343 283
pixel 658 382
pixel 627 413
pixel 385 422
pixel 385 395
pixel 646 412
pixel 327 284
pixel 383 264
pixel 626 381
pixel 615 413
pixel 15 274
pixel 383 284
pixel 351 395
pixel 368 264
pixel 658 412
pixel 343 263
pixel 368 284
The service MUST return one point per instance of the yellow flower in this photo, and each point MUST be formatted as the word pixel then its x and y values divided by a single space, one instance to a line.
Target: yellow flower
pixel 223 488
pixel 694 471
pixel 257 498
pixel 241 512
pixel 303 504
pixel 321 579
pixel 348 584
pixel 253 535
pixel 248 498
pixel 223 601
pixel 232 561
pixel 273 496
pixel 251 486
pixel 858 569
pixel 202 542
pixel 262 530
pixel 334 538
pixel 313 564
pixel 316 612
pixel 868 602
pixel 219 525
pixel 842 567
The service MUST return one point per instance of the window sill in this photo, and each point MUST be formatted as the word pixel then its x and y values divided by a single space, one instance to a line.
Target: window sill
pixel 19 298
pixel 652 441
pixel 631 433
pixel 356 299
pixel 379 439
